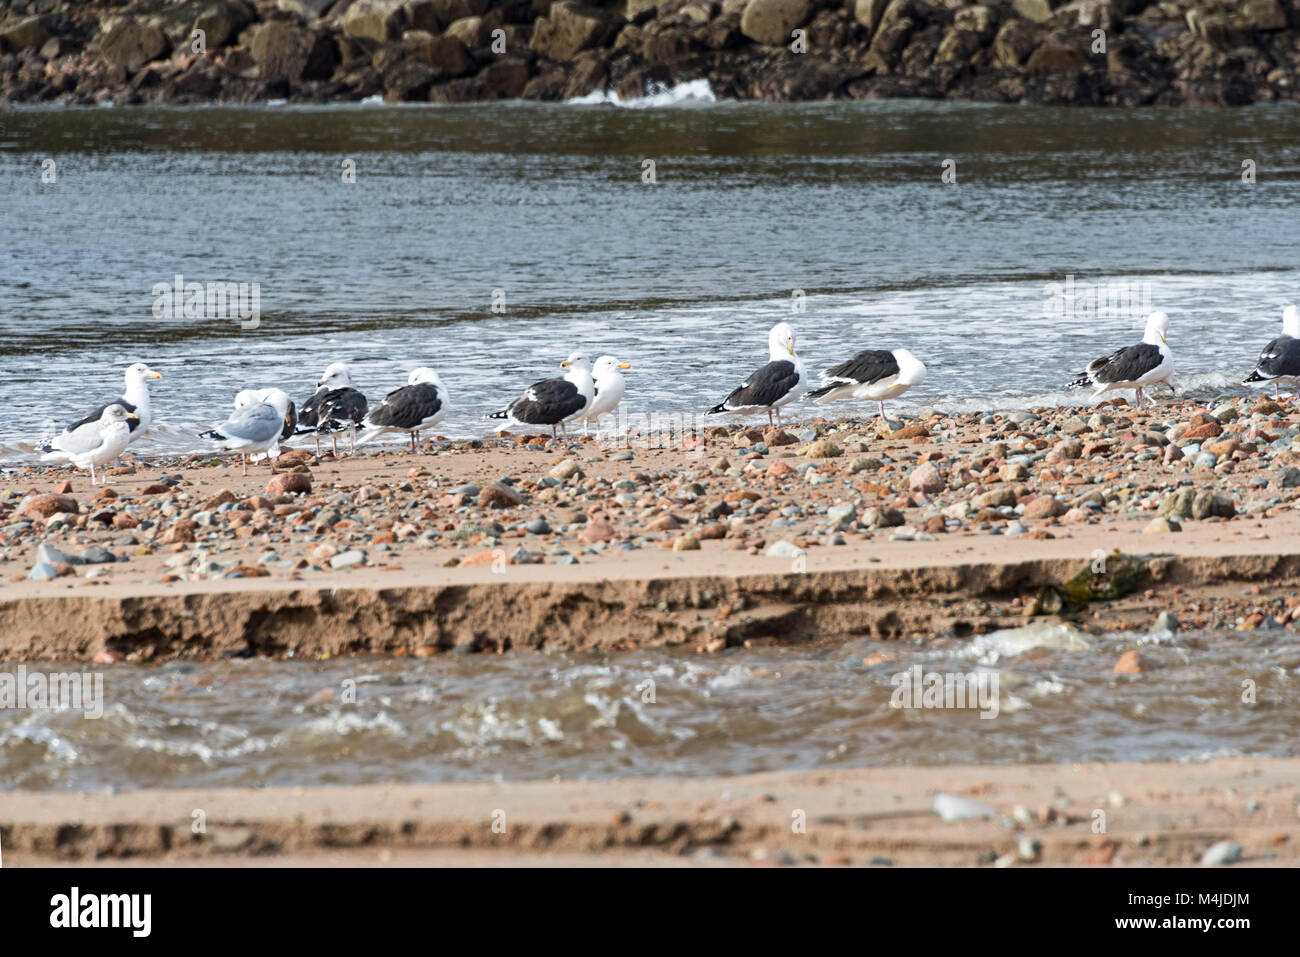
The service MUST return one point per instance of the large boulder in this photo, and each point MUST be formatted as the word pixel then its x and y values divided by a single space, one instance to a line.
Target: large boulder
pixel 1227 25
pixel 1014 43
pixel 378 20
pixel 27 34
pixel 286 51
pixel 221 20
pixel 571 28
pixel 505 78
pixel 869 12
pixel 446 57
pixel 1056 58
pixel 471 31
pixel 771 21
pixel 1040 11
pixel 131 44
pixel 407 81
pixel 308 9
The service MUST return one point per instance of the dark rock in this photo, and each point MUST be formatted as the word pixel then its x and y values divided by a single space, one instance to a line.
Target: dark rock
pixel 445 57
pixel 130 45
pixel 31 33
pixel 286 51
pixel 772 21
pixel 407 81
pixel 571 28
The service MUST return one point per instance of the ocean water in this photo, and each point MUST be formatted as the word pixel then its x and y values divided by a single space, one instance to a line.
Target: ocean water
pixel 834 216
pixel 530 715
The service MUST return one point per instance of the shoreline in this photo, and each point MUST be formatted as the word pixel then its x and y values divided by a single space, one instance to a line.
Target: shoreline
pixel 954 525
pixel 692 606
pixel 450 51
pixel 1043 815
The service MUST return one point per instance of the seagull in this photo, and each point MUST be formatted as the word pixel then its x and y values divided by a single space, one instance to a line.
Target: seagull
pixel 1133 367
pixel 94 443
pixel 878 374
pixel 418 405
pixel 335 407
pixel 253 396
pixel 1281 357
pixel 254 428
pixel 554 401
pixel 773 385
pixel 608 389
pixel 134 398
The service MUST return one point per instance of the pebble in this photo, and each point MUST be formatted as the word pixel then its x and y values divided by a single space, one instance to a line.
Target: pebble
pixel 1166 621
pixel 1221 854
pixel 348 559
pixel 952 808
pixel 784 549
pixel 42 571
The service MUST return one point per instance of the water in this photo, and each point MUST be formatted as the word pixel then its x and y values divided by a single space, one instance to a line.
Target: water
pixel 531 715
pixel 681 277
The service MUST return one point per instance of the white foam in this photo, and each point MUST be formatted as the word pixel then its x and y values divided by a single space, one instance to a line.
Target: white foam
pixel 657 95
pixel 1009 642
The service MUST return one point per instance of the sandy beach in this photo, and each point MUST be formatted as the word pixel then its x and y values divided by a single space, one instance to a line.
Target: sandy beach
pixel 944 525
pixel 1120 815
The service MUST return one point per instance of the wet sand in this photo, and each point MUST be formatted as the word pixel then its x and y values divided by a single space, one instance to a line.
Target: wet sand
pixel 1120 815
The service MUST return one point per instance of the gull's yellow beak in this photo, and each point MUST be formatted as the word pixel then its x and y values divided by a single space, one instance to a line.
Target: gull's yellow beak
pixel 1163 339
pixel 790 349
pixel 154 375
pixel 625 365
pixel 564 364
pixel 132 415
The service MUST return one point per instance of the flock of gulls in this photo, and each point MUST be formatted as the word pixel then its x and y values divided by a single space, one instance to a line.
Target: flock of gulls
pixel 263 418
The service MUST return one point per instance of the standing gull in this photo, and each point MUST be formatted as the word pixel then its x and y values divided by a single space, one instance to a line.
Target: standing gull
pixel 134 398
pixel 877 374
pixel 608 389
pixel 1281 357
pixel 418 405
pixel 335 407
pixel 1133 367
pixel 772 386
pixel 554 401
pixel 253 428
pixel 94 443
pixel 253 396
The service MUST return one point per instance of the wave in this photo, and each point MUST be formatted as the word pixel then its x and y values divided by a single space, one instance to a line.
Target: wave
pixel 657 95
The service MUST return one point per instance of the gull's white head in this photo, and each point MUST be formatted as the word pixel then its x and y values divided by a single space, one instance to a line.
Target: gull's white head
pixel 1157 329
pixel 422 375
pixel 115 413
pixel 607 366
pixel 780 341
pixel 257 396
pixel 277 399
pixel 1291 322
pixel 139 372
pixel 911 370
pixel 335 376
pixel 576 361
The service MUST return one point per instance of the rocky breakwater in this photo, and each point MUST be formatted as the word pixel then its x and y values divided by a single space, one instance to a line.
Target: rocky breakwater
pixel 1095 52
